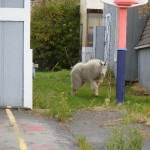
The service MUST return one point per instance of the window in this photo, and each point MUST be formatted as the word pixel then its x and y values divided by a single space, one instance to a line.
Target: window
pixel 11 3
pixel 94 19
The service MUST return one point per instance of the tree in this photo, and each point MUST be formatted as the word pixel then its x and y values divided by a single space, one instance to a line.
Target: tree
pixel 55 34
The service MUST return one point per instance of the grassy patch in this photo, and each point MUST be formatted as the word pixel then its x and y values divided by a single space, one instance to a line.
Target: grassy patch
pixel 51 91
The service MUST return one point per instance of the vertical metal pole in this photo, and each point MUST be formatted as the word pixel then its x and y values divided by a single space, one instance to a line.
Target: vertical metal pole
pixel 121 55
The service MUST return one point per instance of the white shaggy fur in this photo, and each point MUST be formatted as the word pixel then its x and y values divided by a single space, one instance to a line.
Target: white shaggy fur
pixel 93 71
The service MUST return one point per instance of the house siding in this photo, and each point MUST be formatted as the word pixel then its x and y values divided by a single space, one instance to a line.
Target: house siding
pixel 108 9
pixel 144 67
pixel 135 27
pixel 94 4
pixel 143 50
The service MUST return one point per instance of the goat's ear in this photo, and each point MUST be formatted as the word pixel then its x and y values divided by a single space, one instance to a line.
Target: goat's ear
pixel 106 63
pixel 103 63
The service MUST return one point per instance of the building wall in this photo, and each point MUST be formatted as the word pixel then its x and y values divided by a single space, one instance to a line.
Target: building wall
pixel 113 13
pixel 135 26
pixel 12 3
pixel 11 63
pixel 83 21
pixel 90 16
pixel 15 45
pixel 93 20
pixel 144 67
pixel 134 30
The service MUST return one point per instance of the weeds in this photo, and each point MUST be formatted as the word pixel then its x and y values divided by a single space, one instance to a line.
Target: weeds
pixel 83 144
pixel 60 109
pixel 125 139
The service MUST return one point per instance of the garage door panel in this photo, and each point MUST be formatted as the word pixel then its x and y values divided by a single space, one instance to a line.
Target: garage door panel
pixel 12 72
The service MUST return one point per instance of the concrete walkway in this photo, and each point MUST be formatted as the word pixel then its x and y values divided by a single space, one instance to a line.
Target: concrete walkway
pixel 20 130
pixel 97 126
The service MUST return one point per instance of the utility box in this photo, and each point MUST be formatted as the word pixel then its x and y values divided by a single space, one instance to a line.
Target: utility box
pixel 15 54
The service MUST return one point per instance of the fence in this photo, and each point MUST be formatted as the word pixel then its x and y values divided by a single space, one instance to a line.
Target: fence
pixel 87 53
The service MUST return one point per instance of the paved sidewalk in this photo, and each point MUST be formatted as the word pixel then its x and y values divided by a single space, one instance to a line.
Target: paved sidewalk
pixel 20 130
pixel 97 126
pixel 37 132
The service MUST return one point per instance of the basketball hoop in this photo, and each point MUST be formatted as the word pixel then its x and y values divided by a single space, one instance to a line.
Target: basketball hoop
pixel 125 3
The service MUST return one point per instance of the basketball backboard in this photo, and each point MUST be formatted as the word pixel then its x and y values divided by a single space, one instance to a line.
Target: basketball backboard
pixel 111 2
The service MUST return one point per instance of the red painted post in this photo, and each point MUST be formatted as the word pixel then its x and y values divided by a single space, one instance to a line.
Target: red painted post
pixel 121 52
pixel 121 55
pixel 122 23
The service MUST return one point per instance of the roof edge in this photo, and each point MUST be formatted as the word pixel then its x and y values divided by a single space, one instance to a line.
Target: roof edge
pixel 141 46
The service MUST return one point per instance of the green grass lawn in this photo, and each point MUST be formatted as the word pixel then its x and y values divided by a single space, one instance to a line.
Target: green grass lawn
pixel 52 92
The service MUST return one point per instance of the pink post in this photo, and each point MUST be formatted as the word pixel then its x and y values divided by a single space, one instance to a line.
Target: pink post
pixel 121 54
pixel 122 23
pixel 121 51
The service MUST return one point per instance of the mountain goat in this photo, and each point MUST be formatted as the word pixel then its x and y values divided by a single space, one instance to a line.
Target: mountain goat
pixel 93 71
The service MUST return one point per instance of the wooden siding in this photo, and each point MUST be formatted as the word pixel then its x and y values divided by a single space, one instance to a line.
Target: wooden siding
pixel 135 27
pixel 108 9
pixel 87 54
pixel 144 67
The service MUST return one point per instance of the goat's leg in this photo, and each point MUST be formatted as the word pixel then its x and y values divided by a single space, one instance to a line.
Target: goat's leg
pixel 76 84
pixel 94 86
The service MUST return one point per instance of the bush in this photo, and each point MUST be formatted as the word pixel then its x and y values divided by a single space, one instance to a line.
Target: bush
pixel 55 34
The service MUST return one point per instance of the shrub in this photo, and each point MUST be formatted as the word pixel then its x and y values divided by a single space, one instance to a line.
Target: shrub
pixel 55 34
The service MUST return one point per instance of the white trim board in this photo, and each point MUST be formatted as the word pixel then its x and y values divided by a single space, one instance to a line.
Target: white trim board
pixel 23 14
pixel 142 46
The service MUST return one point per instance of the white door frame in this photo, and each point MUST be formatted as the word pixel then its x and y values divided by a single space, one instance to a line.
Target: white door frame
pixel 23 14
